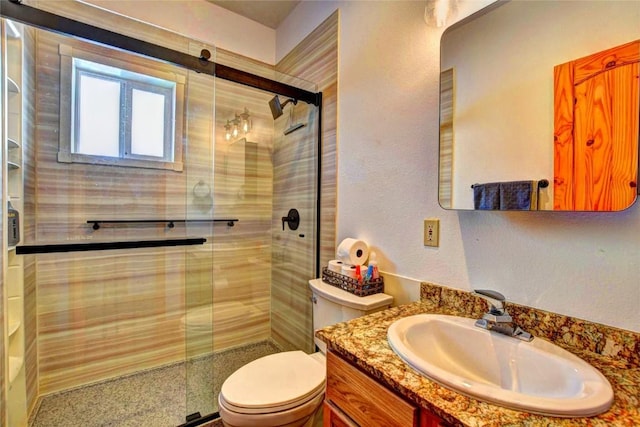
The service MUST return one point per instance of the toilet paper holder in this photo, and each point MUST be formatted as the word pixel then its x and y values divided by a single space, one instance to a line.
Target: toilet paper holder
pixel 292 218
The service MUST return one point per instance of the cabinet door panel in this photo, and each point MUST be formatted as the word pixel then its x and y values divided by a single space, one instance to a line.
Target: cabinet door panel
pixel 363 399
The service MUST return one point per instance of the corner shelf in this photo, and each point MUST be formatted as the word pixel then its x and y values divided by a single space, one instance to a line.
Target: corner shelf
pixel 12 143
pixel 13 166
pixel 15 365
pixel 13 327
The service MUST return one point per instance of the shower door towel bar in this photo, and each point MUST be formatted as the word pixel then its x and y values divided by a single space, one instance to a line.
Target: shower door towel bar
pixel 104 246
pixel 170 222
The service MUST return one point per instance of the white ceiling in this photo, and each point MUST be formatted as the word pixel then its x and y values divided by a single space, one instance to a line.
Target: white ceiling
pixel 267 12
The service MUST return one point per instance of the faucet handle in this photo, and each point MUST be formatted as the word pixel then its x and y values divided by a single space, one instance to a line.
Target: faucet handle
pixel 495 300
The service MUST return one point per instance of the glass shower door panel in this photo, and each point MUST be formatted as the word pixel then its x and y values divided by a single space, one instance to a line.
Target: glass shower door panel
pixel 198 322
pixel 107 325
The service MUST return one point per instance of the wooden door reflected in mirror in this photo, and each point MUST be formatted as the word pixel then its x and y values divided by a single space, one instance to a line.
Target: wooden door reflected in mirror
pixel 596 130
pixel 497 106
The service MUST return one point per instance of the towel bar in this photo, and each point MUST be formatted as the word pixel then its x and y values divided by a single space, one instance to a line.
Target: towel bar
pixel 170 222
pixel 543 183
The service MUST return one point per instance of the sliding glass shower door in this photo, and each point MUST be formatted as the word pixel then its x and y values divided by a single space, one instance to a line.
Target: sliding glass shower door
pixel 259 300
pixel 111 263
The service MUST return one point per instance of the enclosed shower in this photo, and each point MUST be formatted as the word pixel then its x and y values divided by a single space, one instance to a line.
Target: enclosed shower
pixel 155 190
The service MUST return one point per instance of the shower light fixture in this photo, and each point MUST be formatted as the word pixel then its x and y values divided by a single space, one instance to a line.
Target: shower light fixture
pixel 240 122
pixel 245 121
pixel 227 131
pixel 236 122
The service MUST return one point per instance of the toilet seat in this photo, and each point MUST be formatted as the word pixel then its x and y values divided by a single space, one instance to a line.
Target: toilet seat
pixel 274 383
pixel 294 417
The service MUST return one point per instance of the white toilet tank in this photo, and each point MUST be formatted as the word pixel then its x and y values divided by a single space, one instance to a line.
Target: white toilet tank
pixel 333 305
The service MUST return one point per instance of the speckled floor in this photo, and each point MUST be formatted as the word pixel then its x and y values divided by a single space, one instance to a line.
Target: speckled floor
pixel 154 398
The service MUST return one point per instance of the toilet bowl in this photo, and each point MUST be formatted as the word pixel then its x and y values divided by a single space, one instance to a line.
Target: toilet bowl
pixel 287 389
pixel 282 389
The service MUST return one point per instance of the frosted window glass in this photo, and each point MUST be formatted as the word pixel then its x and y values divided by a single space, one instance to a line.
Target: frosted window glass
pixel 147 123
pixel 98 117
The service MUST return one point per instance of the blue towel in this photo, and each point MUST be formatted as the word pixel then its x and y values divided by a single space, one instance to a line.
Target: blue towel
pixel 486 196
pixel 513 195
pixel 518 195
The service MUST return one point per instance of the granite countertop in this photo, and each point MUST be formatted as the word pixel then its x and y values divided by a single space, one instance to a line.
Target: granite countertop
pixel 363 341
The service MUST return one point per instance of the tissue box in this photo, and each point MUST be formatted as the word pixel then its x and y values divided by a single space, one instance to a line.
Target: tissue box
pixel 361 289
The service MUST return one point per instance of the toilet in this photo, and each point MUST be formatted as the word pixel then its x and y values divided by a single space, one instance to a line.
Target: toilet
pixel 287 389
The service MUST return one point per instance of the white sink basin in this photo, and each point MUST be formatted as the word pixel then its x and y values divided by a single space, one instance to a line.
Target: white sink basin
pixel 536 376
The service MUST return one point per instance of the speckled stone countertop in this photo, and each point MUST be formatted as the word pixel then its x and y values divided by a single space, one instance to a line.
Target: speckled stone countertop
pixel 615 352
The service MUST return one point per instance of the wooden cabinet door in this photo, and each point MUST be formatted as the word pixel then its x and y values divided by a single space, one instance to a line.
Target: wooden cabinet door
pixel 596 128
pixel 363 399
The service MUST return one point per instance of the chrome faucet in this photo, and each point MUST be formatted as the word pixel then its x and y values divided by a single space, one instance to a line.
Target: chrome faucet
pixel 497 319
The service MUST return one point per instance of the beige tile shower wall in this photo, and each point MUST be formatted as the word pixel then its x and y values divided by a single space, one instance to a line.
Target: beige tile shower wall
pixel 315 59
pixel 108 313
pixel 104 314
pixel 28 219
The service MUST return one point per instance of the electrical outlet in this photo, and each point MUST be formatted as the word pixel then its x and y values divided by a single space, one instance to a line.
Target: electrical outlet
pixel 432 232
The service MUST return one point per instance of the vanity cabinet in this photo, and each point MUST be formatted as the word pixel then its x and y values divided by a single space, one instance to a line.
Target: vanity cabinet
pixel 354 399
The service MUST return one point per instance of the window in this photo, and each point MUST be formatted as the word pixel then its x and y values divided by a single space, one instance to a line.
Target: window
pixel 119 113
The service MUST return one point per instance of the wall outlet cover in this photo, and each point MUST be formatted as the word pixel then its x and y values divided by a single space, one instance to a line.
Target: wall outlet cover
pixel 432 232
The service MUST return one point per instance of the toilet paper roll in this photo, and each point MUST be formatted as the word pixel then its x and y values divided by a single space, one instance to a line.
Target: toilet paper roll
pixel 352 251
pixel 349 271
pixel 335 265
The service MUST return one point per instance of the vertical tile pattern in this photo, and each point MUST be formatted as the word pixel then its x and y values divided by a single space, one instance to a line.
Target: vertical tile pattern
pixel 314 59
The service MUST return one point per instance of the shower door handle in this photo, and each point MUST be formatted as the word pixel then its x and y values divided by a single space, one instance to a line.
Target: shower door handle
pixel 292 218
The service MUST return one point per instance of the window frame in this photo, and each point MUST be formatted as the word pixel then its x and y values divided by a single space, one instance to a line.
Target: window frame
pixel 173 147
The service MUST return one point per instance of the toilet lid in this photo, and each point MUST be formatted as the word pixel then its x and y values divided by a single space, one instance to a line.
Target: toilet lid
pixel 273 381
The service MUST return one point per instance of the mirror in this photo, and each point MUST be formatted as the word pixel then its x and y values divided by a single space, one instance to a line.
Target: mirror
pixel 502 126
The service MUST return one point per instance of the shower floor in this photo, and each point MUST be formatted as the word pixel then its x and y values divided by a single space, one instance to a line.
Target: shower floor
pixel 153 398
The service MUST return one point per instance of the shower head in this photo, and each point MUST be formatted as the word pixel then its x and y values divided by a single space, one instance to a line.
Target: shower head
pixel 276 107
